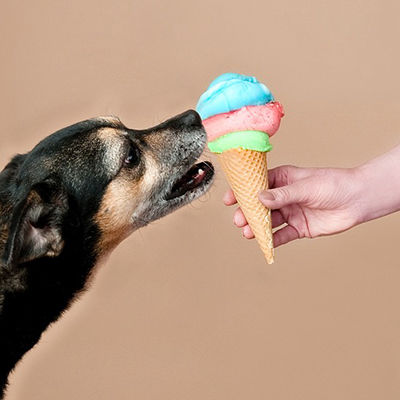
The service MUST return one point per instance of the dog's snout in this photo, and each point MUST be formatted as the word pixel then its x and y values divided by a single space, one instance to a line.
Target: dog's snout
pixel 191 119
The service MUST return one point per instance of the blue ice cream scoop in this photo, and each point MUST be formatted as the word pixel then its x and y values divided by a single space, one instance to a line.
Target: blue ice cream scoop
pixel 231 92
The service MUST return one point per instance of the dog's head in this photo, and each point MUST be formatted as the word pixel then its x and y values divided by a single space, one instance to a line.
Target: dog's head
pixel 100 178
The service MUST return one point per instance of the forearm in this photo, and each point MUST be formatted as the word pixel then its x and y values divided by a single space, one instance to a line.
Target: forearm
pixel 379 189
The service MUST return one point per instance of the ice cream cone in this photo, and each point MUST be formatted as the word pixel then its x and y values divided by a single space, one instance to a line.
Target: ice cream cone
pixel 247 173
pixel 240 114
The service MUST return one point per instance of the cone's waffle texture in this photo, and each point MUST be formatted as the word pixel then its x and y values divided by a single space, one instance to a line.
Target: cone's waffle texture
pixel 247 174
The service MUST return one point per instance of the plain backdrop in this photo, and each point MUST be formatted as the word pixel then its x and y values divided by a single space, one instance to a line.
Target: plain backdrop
pixel 186 308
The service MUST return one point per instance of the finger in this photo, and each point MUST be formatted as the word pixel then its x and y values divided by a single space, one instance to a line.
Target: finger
pixel 229 198
pixel 285 235
pixel 284 196
pixel 248 233
pixel 239 219
pixel 277 176
pixel 287 174
pixel 277 218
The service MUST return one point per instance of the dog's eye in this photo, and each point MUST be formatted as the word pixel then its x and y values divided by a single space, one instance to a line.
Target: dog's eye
pixel 133 157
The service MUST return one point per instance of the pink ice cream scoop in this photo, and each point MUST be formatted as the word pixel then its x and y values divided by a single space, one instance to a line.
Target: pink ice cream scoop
pixel 264 118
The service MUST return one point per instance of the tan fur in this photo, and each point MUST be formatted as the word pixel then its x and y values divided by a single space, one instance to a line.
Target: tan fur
pixel 112 119
pixel 113 140
pixel 115 213
pixel 121 205
pixel 108 134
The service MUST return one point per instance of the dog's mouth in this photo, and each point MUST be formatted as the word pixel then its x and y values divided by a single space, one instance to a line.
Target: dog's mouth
pixel 195 180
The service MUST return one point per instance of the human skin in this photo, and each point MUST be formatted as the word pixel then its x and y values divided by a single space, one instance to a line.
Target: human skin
pixel 312 202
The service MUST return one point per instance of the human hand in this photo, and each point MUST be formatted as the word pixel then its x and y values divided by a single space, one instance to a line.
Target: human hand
pixel 307 202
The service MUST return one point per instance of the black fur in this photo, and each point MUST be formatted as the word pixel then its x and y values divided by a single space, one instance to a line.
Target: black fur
pixel 49 237
pixel 34 294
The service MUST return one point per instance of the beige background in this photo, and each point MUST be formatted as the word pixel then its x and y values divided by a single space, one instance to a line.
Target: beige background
pixel 186 308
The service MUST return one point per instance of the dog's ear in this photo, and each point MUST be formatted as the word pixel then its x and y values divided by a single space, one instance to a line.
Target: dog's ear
pixel 9 171
pixel 36 225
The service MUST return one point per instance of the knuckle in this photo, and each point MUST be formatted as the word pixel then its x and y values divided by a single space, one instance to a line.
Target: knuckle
pixel 282 194
pixel 285 173
pixel 290 171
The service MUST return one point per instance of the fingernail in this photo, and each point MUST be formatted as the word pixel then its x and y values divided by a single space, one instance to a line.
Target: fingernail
pixel 266 195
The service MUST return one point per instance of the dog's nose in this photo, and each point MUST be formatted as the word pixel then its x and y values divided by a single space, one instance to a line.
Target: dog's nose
pixel 191 119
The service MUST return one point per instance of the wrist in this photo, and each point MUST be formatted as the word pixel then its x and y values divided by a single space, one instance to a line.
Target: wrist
pixel 356 188
pixel 362 202
pixel 378 188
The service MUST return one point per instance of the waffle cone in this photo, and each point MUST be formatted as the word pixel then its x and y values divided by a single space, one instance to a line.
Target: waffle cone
pixel 247 174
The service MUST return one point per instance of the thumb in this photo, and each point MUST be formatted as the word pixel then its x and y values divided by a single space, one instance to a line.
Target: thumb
pixel 283 196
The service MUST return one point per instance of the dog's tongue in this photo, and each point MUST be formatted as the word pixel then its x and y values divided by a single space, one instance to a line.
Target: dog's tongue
pixel 192 179
pixel 198 178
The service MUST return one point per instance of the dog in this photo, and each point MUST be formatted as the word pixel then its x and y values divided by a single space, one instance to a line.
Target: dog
pixel 69 202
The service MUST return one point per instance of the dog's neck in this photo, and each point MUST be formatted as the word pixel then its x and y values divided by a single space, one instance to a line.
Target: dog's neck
pixel 34 294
